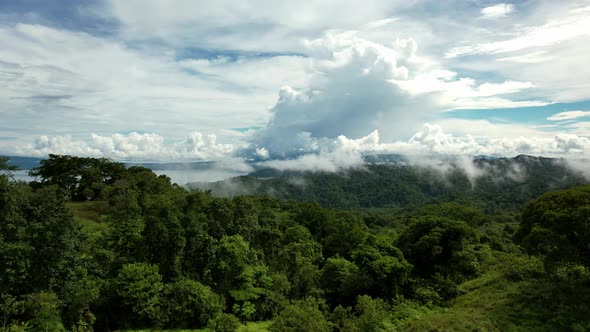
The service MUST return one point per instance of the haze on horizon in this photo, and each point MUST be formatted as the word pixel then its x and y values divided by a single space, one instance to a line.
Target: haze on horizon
pixel 286 84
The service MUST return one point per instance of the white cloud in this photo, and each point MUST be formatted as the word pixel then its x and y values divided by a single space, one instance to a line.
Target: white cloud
pixel 349 94
pixel 320 154
pixel 497 10
pixel 334 155
pixel 358 86
pixel 167 69
pixel 45 145
pixel 579 165
pixel 464 93
pixel 569 115
pixel 570 143
pixel 248 25
pixel 576 24
pixel 55 82
pixel 432 139
pixel 543 43
pixel 431 144
pixel 534 57
pixel 262 153
pixel 321 162
pixel 485 128
pixel 581 128
pixel 132 146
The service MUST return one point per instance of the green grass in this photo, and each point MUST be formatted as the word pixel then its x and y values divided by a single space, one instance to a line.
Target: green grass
pixel 249 327
pixel 494 302
pixel 87 215
pixel 255 327
pixel 89 210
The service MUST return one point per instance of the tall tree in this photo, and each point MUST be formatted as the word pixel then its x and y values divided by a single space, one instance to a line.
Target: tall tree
pixel 6 167
pixel 557 225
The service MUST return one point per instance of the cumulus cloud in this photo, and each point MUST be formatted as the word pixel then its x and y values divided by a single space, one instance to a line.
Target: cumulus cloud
pixel 133 146
pixel 427 147
pixel 262 153
pixel 432 139
pixel 320 154
pixel 349 94
pixel 349 86
pixel 333 155
pixel 44 145
pixel 358 86
pixel 497 10
pixel 570 143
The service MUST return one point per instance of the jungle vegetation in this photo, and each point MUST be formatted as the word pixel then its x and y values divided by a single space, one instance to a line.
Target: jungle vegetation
pixel 97 246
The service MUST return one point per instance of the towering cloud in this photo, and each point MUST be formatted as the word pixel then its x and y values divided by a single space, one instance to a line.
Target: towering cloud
pixel 350 94
pixel 358 86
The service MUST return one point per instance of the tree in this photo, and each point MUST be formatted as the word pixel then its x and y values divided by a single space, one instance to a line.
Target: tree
pixel 7 168
pixel 220 218
pixel 46 316
pixel 140 286
pixel 199 252
pixel 245 217
pixel 125 228
pixel 55 239
pixel 557 225
pixel 239 275
pixel 343 234
pixel 190 303
pixel 383 268
pixel 77 296
pixel 302 316
pixel 225 323
pixel 299 257
pixel 15 249
pixel 369 315
pixel 339 278
pixel 452 210
pixel 440 245
pixel 164 239
pixel 10 306
pixel 81 178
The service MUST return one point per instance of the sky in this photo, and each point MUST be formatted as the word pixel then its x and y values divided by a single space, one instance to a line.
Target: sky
pixel 294 84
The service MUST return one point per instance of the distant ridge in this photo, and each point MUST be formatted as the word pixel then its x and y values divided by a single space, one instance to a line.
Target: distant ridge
pixel 24 163
pixel 391 182
pixel 200 165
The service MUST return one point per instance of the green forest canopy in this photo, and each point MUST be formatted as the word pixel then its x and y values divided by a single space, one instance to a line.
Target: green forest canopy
pixel 97 246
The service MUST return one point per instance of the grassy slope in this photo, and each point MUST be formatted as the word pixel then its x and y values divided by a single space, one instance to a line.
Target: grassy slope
pixel 249 327
pixel 494 302
pixel 87 214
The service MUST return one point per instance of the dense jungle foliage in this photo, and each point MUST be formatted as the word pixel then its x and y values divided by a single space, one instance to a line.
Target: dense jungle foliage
pixel 95 246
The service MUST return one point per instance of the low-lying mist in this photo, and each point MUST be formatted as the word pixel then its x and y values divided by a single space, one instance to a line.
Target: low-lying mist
pixel 395 180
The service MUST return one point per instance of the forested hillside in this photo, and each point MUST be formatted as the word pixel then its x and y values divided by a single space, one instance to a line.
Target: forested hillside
pixel 96 246
pixel 489 184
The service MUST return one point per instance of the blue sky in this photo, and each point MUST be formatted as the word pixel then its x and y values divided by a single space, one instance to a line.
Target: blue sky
pixel 197 80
